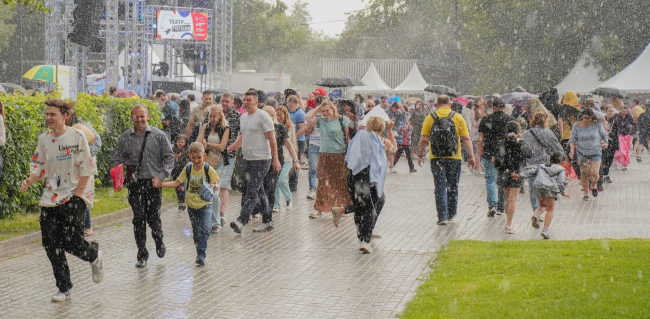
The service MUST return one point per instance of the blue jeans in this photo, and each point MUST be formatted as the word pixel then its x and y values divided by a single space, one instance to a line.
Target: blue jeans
pixel 282 186
pixel 200 219
pixel 496 197
pixel 446 176
pixel 312 154
pixel 534 202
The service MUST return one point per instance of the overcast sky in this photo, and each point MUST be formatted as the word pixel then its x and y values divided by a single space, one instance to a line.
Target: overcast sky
pixel 329 10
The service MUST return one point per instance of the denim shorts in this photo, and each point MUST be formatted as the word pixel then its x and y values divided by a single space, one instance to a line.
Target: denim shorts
pixel 225 173
pixel 590 158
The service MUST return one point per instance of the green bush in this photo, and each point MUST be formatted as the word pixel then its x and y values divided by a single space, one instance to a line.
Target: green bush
pixel 25 122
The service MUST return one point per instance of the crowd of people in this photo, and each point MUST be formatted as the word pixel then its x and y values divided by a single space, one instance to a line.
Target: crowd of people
pixel 258 146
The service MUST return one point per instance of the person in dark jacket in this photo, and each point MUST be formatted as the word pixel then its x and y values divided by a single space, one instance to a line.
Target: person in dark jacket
pixel 608 153
pixel 513 153
pixel 181 159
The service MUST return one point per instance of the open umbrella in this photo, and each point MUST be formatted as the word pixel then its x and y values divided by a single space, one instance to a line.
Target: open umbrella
pixel 13 88
pixel 2 88
pixel 339 82
pixel 185 93
pixel 518 98
pixel 45 73
pixel 442 90
pixel 609 92
pixel 126 93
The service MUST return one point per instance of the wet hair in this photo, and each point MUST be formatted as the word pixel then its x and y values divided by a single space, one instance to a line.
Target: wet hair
pixel 222 122
pixel 287 120
pixel 376 124
pixel 513 127
pixel 269 109
pixel 159 93
pixel 207 92
pixel 227 94
pixel 191 97
pixel 289 92
pixel 557 158
pixel 442 100
pixel 272 102
pixel 359 97
pixel 181 137
pixel 538 119
pixel 196 147
pixel 252 93
pixel 139 106
pixel 588 112
pixel 497 103
pixel 293 99
pixel 238 101
pixel 589 103
pixel 370 102
pixel 319 99
pixel 66 107
pixel 112 90
pixel 328 103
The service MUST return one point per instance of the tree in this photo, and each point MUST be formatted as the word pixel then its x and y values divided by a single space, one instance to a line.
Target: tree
pixel 6 28
pixel 32 5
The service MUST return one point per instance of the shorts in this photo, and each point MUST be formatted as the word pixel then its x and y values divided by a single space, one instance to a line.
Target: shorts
pixel 505 180
pixel 545 193
pixel 590 158
pixel 225 173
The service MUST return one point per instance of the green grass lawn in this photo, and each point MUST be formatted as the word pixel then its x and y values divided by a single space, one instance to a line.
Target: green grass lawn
pixel 537 279
pixel 106 201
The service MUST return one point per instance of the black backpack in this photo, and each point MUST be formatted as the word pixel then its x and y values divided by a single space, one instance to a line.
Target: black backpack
pixel 443 140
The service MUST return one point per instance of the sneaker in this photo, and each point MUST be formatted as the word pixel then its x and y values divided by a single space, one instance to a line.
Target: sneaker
pixel 181 207
pixel 200 262
pixel 215 229
pixel 222 220
pixel 522 190
pixel 276 210
pixel 510 230
pixel 365 248
pixel 289 204
pixel 161 249
pixel 600 188
pixel 312 194
pixel 257 216
pixel 607 180
pixel 264 227
pixel 638 160
pixel 586 198
pixel 141 264
pixel 375 235
pixel 393 170
pixel 62 296
pixel 541 218
pixel 337 212
pixel 594 192
pixel 492 212
pixel 98 267
pixel 545 234
pixel 441 222
pixel 500 213
pixel 535 221
pixel 624 168
pixel 413 171
pixel 237 226
pixel 617 167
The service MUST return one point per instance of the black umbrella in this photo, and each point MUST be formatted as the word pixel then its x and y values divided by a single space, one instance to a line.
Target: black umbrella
pixel 609 92
pixel 442 90
pixel 339 82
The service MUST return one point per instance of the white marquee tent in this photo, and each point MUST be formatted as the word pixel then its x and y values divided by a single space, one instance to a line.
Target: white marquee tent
pixel 373 82
pixel 635 78
pixel 581 79
pixel 414 82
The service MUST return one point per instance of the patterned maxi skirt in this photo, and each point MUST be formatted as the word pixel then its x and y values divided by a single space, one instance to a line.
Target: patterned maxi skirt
pixel 332 190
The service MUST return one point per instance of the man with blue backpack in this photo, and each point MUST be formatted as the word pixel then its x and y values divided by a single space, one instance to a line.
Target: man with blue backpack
pixel 443 130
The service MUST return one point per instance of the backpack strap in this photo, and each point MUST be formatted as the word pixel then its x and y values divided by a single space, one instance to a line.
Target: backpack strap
pixel 206 170
pixel 188 171
pixel 345 137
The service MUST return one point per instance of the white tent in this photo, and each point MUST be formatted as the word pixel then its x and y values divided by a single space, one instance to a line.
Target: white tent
pixel 414 82
pixel 581 79
pixel 634 79
pixel 373 82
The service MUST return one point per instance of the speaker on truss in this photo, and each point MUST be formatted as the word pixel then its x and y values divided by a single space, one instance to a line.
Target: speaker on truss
pixel 201 62
pixel 86 15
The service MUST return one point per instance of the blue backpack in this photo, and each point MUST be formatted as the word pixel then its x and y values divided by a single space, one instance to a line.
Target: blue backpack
pixel 205 192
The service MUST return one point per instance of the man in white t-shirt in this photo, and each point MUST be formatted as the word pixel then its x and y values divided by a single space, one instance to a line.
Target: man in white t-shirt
pixel 260 149
pixel 63 158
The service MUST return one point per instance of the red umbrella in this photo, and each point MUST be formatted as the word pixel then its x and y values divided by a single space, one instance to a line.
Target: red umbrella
pixel 126 93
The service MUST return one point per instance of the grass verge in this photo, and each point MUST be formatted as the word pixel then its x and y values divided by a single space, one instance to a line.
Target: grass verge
pixel 106 201
pixel 598 278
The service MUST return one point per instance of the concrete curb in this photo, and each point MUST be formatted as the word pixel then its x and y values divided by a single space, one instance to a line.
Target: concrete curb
pixel 27 243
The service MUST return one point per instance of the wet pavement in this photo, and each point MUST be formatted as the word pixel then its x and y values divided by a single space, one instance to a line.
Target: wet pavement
pixel 306 268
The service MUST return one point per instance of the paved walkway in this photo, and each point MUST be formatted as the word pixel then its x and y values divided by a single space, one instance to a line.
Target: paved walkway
pixel 305 268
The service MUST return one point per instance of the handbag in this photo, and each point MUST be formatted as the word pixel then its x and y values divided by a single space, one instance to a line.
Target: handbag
pixel 213 158
pixel 206 192
pixel 131 173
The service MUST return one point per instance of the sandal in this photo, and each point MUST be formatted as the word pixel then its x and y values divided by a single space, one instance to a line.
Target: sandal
pixel 88 233
pixel 316 214
pixel 510 230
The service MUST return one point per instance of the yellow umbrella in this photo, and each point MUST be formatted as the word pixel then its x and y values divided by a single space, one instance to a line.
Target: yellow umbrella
pixel 45 73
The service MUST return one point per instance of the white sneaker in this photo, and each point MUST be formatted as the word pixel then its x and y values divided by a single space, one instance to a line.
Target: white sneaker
pixel 289 204
pixel 98 267
pixel 337 212
pixel 312 194
pixel 222 220
pixel 62 296
pixel 365 247
pixel 393 170
pixel 237 226
pixel 264 227
pixel 375 235
pixel 276 210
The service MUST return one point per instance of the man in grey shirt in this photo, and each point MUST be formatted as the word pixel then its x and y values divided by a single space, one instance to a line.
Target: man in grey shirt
pixel 151 167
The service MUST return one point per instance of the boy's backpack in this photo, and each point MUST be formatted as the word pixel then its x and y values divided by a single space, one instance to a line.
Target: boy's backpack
pixel 443 139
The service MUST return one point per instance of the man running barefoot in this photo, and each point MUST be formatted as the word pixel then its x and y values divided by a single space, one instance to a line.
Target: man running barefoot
pixel 63 158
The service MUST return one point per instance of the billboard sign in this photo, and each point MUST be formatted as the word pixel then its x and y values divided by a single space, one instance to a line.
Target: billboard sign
pixel 182 25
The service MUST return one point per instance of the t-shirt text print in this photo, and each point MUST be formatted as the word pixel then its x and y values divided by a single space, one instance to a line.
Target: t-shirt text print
pixel 62 161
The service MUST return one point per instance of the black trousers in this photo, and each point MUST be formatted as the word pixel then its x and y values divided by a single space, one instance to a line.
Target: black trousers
pixel 62 230
pixel 574 162
pixel 145 200
pixel 407 150
pixel 608 160
pixel 366 203
pixel 270 180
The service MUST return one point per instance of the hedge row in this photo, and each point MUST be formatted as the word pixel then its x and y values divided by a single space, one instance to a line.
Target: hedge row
pixel 26 121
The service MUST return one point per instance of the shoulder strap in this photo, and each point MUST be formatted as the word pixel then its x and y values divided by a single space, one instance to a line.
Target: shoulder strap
pixel 206 170
pixel 345 138
pixel 451 115
pixel 144 144
pixel 188 171
pixel 435 116
pixel 539 142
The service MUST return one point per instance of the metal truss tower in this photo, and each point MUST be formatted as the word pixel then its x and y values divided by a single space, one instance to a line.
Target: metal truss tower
pixel 222 44
pixel 54 31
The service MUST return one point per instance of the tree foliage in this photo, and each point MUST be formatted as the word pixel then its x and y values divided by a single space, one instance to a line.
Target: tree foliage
pixel 6 27
pixel 32 5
